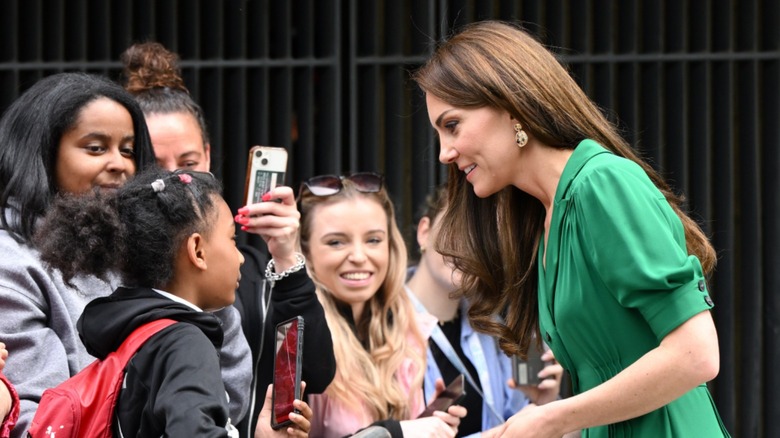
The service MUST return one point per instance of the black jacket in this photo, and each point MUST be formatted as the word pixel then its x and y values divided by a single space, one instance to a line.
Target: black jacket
pixel 292 296
pixel 173 384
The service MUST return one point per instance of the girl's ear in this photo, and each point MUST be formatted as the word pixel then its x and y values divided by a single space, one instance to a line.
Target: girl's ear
pixel 196 252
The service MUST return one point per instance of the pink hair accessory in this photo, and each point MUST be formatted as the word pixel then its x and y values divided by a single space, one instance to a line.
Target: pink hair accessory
pixel 186 178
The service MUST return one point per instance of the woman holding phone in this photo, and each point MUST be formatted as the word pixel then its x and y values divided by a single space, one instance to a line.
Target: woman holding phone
pixel 272 289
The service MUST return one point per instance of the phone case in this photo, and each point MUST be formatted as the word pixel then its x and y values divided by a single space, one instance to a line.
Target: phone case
pixel 287 371
pixel 453 394
pixel 265 170
pixel 526 372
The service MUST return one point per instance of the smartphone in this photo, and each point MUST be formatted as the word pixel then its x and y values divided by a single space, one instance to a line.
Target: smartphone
pixel 287 371
pixel 264 171
pixel 526 372
pixel 453 394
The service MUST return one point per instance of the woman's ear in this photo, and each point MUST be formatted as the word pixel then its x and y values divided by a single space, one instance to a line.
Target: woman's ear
pixel 196 253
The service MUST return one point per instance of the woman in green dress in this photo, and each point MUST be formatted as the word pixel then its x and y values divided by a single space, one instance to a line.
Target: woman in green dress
pixel 559 226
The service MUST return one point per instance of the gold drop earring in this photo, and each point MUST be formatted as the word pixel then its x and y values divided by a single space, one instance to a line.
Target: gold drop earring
pixel 521 138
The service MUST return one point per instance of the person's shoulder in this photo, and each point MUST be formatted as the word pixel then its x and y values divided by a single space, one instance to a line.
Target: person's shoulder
pixel 21 267
pixel 610 170
pixel 15 252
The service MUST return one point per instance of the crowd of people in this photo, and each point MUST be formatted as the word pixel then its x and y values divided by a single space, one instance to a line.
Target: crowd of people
pixel 550 233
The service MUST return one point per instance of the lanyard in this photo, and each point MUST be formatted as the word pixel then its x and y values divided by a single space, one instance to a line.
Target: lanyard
pixel 444 345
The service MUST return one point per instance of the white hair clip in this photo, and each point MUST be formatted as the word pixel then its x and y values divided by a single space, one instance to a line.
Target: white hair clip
pixel 158 185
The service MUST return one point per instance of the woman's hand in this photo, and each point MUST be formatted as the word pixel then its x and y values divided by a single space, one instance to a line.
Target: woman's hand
pixel 531 421
pixel 6 401
pixel 301 422
pixel 550 387
pixel 276 220
pixel 440 424
pixel 3 356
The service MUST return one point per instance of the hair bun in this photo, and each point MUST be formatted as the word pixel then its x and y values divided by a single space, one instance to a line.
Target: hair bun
pixel 150 65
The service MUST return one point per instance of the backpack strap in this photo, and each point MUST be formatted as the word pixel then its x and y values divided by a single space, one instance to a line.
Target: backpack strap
pixel 139 336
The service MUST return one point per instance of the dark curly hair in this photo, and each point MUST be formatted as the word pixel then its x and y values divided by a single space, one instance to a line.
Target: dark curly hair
pixel 135 231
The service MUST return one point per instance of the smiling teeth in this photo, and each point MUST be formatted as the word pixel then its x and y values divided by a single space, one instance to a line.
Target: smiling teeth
pixel 356 275
pixel 469 169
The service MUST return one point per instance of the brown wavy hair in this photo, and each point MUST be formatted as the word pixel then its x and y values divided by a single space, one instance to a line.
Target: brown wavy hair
pixel 494 241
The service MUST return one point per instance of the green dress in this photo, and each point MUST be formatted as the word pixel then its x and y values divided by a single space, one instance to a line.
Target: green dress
pixel 618 279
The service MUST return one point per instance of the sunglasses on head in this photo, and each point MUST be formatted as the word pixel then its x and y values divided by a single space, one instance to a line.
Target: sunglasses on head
pixel 327 185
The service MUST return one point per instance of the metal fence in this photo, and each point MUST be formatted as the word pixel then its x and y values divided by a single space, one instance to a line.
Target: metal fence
pixel 695 85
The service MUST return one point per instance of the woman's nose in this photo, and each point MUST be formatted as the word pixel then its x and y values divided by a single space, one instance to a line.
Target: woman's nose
pixel 358 254
pixel 447 154
pixel 117 162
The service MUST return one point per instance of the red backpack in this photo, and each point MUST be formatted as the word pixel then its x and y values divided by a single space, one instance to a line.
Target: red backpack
pixel 83 405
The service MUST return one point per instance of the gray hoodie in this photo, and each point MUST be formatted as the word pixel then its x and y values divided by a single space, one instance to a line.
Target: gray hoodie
pixel 38 315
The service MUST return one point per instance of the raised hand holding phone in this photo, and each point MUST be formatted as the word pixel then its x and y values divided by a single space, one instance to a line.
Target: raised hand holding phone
pixel 539 377
pixel 287 371
pixel 265 170
pixel 453 394
pixel 276 222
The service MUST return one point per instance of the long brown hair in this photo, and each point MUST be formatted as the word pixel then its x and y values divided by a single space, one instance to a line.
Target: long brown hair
pixel 494 241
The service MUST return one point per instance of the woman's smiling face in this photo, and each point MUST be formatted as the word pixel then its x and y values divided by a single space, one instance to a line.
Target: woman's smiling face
pixel 349 249
pixel 480 141
pixel 98 150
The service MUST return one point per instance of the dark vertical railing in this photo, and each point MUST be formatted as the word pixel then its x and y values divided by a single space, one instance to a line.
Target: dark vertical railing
pixel 693 85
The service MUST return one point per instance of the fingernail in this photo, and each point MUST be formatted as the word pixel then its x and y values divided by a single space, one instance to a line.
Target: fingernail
pixel 244 228
pixel 243 211
pixel 266 197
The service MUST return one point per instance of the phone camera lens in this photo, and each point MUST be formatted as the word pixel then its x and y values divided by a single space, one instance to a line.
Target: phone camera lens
pixel 259 154
pixel 264 161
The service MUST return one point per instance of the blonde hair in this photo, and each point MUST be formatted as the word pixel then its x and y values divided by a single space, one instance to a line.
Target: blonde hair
pixel 387 326
pixel 498 65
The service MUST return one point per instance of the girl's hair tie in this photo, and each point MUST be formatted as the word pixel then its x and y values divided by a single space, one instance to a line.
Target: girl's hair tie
pixel 158 185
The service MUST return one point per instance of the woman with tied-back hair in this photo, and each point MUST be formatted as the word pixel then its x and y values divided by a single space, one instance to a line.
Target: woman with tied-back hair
pixel 176 122
pixel 556 223
pixel 180 140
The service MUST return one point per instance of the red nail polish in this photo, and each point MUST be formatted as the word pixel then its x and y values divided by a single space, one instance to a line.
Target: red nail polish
pixel 243 211
pixel 244 228
pixel 266 197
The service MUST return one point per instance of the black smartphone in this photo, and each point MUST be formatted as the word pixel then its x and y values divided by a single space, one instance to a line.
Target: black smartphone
pixel 526 372
pixel 265 170
pixel 287 371
pixel 453 394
